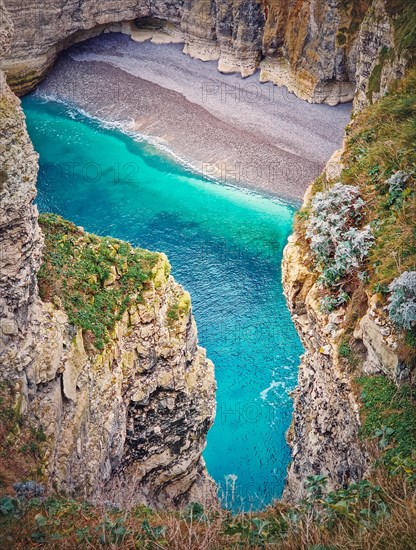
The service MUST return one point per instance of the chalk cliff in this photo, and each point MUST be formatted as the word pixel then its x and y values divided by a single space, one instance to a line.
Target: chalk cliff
pixel 125 419
pixel 129 418
pixel 125 405
pixel 322 51
pixel 20 236
pixel 324 436
pixel 340 293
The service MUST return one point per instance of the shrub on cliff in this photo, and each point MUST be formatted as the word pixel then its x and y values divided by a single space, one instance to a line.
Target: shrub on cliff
pixel 402 301
pixel 380 159
pixel 397 185
pixel 336 240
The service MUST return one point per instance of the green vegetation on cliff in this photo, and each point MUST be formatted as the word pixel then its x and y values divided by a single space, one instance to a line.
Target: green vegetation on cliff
pixel 389 415
pixel 379 162
pixel 94 279
pixel 376 192
pixel 381 142
pixel 403 13
pixel 380 158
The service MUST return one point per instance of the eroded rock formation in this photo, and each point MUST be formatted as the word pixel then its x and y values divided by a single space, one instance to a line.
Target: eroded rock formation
pixel 325 427
pixel 125 424
pixel 310 47
pixel 20 237
pixel 382 57
pixel 115 421
pixel 322 51
pixel 325 431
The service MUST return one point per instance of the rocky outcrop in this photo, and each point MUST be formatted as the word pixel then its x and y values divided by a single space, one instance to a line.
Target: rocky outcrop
pixel 20 237
pixel 127 424
pixel 310 47
pixel 124 424
pixel 377 338
pixel 375 34
pixel 322 51
pixel 324 433
pixel 381 58
pixel 43 30
pixel 229 31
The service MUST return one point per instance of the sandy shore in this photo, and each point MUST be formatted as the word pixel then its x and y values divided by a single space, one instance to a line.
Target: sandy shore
pixel 236 130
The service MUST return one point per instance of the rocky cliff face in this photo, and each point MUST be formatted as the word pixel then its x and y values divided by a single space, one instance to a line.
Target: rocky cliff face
pixel 124 422
pixel 310 47
pixel 324 436
pixel 130 419
pixel 20 237
pixel 342 316
pixel 322 51
pixel 231 32
pixel 356 338
pixel 382 55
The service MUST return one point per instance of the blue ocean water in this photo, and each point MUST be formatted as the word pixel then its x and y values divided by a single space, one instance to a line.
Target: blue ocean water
pixel 225 246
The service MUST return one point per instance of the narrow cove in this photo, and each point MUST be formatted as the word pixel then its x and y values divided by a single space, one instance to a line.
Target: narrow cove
pixel 225 246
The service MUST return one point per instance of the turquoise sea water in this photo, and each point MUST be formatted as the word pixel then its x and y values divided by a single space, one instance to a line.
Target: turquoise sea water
pixel 225 246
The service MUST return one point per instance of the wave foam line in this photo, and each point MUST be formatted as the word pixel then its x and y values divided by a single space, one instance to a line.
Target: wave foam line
pixel 145 138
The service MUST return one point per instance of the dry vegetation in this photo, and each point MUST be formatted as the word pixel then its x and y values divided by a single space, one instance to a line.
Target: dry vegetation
pixel 381 519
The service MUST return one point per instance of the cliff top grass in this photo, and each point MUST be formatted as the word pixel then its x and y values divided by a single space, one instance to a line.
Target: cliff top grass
pixel 367 515
pixel 380 142
pixel 93 279
pixel 360 517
